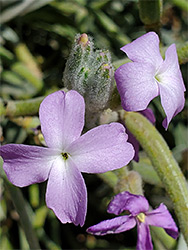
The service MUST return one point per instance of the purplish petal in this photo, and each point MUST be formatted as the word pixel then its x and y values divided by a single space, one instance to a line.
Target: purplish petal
pixel 66 192
pixel 136 85
pixel 145 49
pixel 113 226
pixel 144 238
pixel 62 118
pixel 25 165
pixel 171 86
pixel 135 204
pixel 102 149
pixel 160 217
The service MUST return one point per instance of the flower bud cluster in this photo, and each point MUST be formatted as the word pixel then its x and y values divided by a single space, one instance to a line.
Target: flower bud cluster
pixel 89 72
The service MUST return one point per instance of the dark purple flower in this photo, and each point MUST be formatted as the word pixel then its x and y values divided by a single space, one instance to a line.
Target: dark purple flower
pixel 101 149
pixel 148 76
pixel 140 215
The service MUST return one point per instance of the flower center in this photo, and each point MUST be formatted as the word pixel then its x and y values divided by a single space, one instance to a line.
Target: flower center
pixel 65 156
pixel 141 217
pixel 158 78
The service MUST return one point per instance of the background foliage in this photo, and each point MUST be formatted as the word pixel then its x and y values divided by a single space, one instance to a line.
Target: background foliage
pixel 36 38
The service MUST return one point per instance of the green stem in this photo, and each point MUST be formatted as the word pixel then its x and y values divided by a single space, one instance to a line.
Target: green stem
pixel 120 62
pixel 6 54
pixel 181 4
pixel 182 51
pixel 150 14
pixel 25 56
pixel 164 164
pixel 111 27
pixel 20 205
pixel 23 107
pixel 19 108
pixel 27 74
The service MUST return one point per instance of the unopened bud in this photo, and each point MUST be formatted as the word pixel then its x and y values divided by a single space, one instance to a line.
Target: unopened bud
pixel 83 40
pixel 129 181
pixel 108 116
pixel 99 87
pixel 135 182
pixel 77 67
pixel 89 72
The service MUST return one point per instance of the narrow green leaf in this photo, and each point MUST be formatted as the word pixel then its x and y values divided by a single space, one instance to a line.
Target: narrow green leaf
pixel 23 71
pixel 40 216
pixel 145 169
pixel 34 195
pixel 6 54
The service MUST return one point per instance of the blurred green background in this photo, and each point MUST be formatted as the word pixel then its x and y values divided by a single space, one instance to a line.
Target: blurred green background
pixel 36 38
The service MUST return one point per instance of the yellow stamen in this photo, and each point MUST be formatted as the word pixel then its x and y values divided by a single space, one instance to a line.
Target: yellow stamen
pixel 65 156
pixel 141 217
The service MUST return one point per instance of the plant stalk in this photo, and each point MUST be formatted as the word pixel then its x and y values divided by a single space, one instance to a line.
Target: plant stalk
pixel 20 205
pixel 21 108
pixel 164 163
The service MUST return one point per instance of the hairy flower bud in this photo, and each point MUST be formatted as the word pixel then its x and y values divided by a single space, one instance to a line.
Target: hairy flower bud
pixel 100 82
pixel 77 67
pixel 129 181
pixel 89 72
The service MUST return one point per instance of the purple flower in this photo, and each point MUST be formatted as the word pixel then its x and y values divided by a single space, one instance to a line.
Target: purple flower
pixel 148 76
pixel 138 207
pixel 68 154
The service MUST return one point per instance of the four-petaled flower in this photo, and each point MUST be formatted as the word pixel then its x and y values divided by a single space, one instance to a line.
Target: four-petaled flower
pixel 101 149
pixel 148 76
pixel 138 207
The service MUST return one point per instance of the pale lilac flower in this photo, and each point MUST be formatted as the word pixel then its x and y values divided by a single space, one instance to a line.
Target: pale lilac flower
pixel 148 76
pixel 140 215
pixel 102 149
